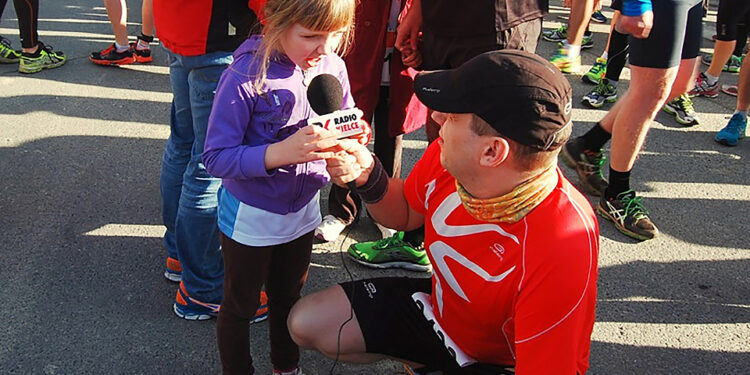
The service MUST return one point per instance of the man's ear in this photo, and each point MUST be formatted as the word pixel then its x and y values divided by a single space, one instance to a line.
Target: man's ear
pixel 494 152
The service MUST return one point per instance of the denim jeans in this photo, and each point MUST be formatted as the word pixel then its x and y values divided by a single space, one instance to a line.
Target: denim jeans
pixel 188 192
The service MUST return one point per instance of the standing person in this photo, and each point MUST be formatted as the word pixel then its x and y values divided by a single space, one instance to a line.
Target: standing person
pixel 34 55
pixel 381 85
pixel 199 37
pixel 121 52
pixel 272 168
pixel 514 246
pixel 737 125
pixel 452 34
pixel 662 60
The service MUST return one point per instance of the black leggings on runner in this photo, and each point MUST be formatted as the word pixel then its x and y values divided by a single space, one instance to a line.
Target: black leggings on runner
pixel 617 54
pixel 28 15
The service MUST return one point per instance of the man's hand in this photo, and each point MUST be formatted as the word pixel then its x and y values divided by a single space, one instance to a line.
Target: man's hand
pixel 407 32
pixel 637 26
pixel 353 162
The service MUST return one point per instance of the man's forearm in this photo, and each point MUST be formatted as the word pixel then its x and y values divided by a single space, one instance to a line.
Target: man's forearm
pixel 393 210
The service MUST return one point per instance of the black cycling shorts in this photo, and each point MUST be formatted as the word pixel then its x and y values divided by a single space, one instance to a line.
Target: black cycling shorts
pixel 731 13
pixel 393 324
pixel 676 35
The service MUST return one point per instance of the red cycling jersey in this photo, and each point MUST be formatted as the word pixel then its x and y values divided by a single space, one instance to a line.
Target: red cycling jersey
pixel 520 294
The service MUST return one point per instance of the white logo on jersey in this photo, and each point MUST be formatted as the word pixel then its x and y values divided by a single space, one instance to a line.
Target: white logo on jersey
pixel 440 250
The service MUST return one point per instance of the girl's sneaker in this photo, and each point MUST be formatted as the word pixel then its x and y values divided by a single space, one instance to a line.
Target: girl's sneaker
pixel 44 58
pixel 295 371
pixel 8 55
pixel 109 56
pixel 595 74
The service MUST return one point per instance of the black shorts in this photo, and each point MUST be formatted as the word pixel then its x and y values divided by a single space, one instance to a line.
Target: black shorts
pixel 731 13
pixel 616 5
pixel 676 35
pixel 392 324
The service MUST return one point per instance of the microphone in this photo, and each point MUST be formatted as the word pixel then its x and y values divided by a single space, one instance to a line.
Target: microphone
pixel 326 96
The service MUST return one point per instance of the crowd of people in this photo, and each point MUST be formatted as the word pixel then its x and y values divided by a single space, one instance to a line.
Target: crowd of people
pixel 511 244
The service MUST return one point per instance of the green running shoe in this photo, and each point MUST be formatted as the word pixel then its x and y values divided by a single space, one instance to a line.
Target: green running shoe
pixel 565 63
pixel 391 252
pixel 44 58
pixel 595 74
pixel 557 35
pixel 7 54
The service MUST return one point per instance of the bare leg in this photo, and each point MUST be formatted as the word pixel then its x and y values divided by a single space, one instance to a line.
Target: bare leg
pixel 722 52
pixel 743 86
pixel 147 18
pixel 117 11
pixel 580 14
pixel 315 322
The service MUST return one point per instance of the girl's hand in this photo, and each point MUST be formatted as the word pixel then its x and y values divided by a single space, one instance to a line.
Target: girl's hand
pixel 307 144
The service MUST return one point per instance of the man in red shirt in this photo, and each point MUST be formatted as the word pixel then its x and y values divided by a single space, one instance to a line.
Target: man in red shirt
pixel 513 244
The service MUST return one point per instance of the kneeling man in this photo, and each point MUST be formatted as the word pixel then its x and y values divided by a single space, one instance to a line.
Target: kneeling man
pixel 513 245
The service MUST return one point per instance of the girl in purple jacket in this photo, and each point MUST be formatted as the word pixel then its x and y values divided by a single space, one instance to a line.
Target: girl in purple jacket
pixel 271 165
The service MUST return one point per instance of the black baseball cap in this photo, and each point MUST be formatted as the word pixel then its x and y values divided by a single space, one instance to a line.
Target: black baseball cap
pixel 520 94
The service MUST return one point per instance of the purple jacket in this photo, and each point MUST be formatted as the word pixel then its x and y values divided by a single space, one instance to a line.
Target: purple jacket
pixel 243 124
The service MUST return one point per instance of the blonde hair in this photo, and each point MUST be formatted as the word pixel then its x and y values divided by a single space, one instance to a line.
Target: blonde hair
pixel 317 15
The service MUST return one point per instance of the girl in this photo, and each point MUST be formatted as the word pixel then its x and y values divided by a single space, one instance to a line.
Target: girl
pixel 272 168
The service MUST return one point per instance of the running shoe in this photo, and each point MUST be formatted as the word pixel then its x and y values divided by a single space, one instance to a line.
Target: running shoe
pixel 734 131
pixel 587 164
pixel 604 92
pixel 565 63
pixel 8 55
pixel 734 64
pixel 730 90
pixel 629 215
pixel 391 252
pixel 595 74
pixel 142 55
pixel 173 270
pixel 598 17
pixel 329 229
pixel 189 308
pixel 703 88
pixel 44 58
pixel 110 57
pixel 587 42
pixel 682 109
pixel 557 35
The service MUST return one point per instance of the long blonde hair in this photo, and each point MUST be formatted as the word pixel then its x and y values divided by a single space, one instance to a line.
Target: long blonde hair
pixel 318 15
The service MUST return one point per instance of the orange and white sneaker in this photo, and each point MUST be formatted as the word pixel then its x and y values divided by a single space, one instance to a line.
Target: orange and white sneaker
pixel 189 308
pixel 173 270
pixel 142 55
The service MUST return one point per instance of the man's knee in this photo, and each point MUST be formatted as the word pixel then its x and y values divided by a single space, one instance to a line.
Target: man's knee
pixel 301 322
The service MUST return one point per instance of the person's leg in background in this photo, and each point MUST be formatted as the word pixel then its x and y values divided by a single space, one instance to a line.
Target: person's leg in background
pixel 8 55
pixel 35 55
pixel 568 58
pixel 737 126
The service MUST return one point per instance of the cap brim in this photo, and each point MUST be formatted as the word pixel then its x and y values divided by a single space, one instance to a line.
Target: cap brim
pixel 438 91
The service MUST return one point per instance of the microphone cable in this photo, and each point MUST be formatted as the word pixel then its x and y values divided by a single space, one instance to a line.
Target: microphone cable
pixel 351 294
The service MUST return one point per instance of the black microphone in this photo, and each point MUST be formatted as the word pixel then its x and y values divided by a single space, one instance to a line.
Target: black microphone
pixel 326 96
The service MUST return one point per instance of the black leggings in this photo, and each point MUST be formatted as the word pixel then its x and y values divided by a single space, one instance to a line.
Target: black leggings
pixel 28 15
pixel 616 55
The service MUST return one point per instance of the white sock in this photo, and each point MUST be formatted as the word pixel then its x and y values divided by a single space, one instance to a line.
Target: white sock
pixel 709 78
pixel 744 113
pixel 604 55
pixel 120 48
pixel 142 44
pixel 573 50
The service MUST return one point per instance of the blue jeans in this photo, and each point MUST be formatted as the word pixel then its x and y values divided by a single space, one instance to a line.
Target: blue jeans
pixel 188 192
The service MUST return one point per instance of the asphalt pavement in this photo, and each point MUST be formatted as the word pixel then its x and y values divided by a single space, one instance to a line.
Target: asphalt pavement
pixel 81 256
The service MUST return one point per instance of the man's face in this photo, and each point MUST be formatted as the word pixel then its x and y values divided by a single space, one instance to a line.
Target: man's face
pixel 460 144
pixel 307 47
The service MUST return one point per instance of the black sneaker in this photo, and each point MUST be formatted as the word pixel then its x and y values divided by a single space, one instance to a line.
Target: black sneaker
pixel 587 164
pixel 8 55
pixel 110 56
pixel 629 215
pixel 142 56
